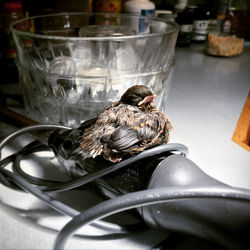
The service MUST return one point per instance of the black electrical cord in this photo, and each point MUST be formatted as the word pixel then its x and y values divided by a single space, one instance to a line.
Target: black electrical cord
pixel 55 204
pixel 6 175
pixel 23 178
pixel 102 172
pixel 28 149
pixel 31 179
pixel 32 147
pixel 3 178
pixel 145 198
pixel 92 176
pixel 55 187
pixel 30 129
pixel 51 186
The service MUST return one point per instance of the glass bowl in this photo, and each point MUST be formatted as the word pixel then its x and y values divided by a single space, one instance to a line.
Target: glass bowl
pixel 71 65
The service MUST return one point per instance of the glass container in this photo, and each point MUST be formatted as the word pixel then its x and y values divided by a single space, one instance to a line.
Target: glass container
pixel 72 65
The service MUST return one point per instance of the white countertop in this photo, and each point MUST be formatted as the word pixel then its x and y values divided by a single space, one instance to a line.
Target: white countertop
pixel 204 104
pixel 206 98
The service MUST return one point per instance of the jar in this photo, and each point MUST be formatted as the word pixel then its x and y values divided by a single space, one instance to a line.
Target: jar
pixel 185 21
pixel 140 7
pixel 238 18
pixel 200 24
pixel 143 8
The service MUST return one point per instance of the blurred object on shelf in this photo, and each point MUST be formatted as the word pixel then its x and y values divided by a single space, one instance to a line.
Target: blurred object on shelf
pixel 237 18
pixel 181 5
pixel 200 24
pixel 212 6
pixel 224 45
pixel 213 26
pixel 107 6
pixel 142 8
pixel 185 20
pixel 222 10
pixel 233 18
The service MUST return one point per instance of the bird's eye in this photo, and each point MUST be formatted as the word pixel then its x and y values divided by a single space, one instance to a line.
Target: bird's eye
pixel 67 145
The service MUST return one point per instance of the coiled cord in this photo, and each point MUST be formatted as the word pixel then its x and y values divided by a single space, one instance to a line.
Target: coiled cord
pixel 145 198
pixel 42 187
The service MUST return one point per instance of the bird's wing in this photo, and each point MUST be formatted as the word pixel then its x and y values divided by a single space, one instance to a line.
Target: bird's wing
pixel 121 139
pixel 110 131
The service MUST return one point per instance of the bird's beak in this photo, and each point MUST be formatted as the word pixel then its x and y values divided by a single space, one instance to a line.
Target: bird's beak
pixel 147 99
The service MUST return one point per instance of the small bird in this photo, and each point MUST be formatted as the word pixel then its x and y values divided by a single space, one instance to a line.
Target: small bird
pixel 124 128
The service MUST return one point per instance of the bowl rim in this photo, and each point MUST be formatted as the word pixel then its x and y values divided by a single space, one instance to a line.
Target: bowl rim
pixel 174 27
